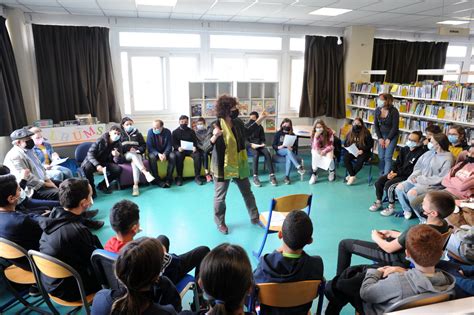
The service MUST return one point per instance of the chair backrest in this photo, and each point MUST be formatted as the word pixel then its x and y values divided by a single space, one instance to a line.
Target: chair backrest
pixel 81 151
pixel 52 267
pixel 288 294
pixel 103 264
pixel 292 202
pixel 11 250
pixel 419 300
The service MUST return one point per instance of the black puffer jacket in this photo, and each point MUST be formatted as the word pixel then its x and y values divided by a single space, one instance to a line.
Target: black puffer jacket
pixel 131 140
pixel 100 152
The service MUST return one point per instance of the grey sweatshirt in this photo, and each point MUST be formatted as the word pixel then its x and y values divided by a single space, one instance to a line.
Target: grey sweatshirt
pixel 430 169
pixel 378 293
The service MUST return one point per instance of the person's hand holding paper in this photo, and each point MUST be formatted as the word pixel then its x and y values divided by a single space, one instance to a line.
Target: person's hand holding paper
pixel 186 145
pixel 352 149
pixel 289 141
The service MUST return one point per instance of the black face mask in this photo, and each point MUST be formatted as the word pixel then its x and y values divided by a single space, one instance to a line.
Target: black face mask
pixel 234 114
pixel 30 144
pixel 286 129
pixel 470 159
pixel 184 126
pixel 357 128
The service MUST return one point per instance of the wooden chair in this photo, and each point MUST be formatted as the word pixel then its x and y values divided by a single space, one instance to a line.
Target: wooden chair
pixel 419 300
pixel 291 294
pixel 282 206
pixel 446 235
pixel 13 274
pixel 54 268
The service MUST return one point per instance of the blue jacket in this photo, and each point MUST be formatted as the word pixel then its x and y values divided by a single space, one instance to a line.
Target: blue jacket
pixel 276 268
pixel 159 143
pixel 40 153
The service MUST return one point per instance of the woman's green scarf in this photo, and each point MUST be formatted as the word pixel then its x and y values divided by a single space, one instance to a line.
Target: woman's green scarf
pixel 235 161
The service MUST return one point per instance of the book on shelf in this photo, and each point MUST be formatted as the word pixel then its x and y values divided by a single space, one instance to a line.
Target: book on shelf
pixel 244 107
pixel 210 109
pixel 270 124
pixel 196 108
pixel 257 106
pixel 270 107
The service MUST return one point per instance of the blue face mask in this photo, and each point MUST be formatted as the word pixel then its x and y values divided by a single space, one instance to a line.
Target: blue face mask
pixel 453 139
pixel 430 146
pixel 129 128
pixel 156 131
pixel 380 103
pixel 411 144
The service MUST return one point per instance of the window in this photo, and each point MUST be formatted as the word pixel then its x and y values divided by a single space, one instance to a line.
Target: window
pixel 147 83
pixel 470 78
pixel 296 83
pixel 451 66
pixel 176 40
pixel 245 42
pixel 182 70
pixel 125 82
pixel 297 44
pixel 228 68
pixel 262 69
pixel 456 51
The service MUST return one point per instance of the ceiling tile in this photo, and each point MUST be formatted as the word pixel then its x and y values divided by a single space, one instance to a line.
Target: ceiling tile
pixel 315 3
pixel 228 8
pixel 86 11
pixel 80 4
pixel 210 17
pixel 261 9
pixel 351 4
pixel 121 13
pixel 117 5
pixel 387 5
pixel 295 12
pixel 48 3
pixel 47 10
pixel 155 15
pixel 420 7
pixel 154 8
pixel 194 7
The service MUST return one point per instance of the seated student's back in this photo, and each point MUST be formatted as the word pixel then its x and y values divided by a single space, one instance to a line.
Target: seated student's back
pixel 290 263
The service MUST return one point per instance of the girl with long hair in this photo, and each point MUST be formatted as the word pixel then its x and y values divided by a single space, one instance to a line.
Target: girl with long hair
pixel 322 145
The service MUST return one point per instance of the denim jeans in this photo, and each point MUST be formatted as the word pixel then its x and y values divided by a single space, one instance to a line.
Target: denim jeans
pixel 386 155
pixel 290 159
pixel 403 196
pixel 59 173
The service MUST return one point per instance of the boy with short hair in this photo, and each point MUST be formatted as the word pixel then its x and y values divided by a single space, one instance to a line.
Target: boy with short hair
pixel 290 263
pixel 125 221
pixel 388 246
pixel 387 285
pixel 201 134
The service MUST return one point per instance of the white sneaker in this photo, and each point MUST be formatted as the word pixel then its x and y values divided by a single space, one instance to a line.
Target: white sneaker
pixel 407 215
pixel 351 180
pixel 135 191
pixel 387 212
pixel 301 170
pixel 313 179
pixel 149 177
pixel 375 206
pixel 347 177
pixel 332 176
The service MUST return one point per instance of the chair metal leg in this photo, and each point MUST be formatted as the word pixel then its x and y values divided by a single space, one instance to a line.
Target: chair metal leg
pixel 321 289
pixel 370 175
pixel 257 254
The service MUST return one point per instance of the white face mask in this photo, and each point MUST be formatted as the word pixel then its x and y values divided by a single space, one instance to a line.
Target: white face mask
pixel 319 129
pixel 200 127
pixel 380 103
pixel 411 144
pixel 430 146
pixel 114 137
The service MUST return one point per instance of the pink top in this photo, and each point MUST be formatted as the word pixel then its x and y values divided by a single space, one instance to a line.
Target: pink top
pixel 317 143
pixel 462 183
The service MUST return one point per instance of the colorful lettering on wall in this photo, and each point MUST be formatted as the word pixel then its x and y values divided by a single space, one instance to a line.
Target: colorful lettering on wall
pixel 82 133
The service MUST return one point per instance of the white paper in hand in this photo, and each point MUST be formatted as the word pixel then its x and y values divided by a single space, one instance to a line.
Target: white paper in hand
pixel 104 170
pixel 58 161
pixel 322 162
pixel 352 149
pixel 186 145
pixel 289 140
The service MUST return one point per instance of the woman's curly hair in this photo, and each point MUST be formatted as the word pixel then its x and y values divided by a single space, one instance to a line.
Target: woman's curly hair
pixel 224 104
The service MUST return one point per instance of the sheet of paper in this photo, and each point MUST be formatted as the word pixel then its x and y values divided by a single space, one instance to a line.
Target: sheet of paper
pixel 277 218
pixel 105 177
pixel 186 145
pixel 352 149
pixel 58 161
pixel 323 162
pixel 289 140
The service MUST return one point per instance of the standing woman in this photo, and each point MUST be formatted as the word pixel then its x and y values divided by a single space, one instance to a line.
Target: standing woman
pixel 133 146
pixel 229 158
pixel 386 127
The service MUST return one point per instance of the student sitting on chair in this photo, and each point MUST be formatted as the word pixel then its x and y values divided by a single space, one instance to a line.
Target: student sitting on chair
pixel 322 145
pixel 159 145
pixel 66 238
pixel 45 153
pixel 427 174
pixel 372 289
pixel 125 221
pixel 138 268
pixel 256 145
pixel 133 148
pixel 184 133
pixel 429 132
pixel 289 153
pixel 201 134
pixel 457 140
pixel 226 279
pixel 359 136
pixel 401 169
pixel 464 275
pixel 388 245
pixel 104 154
pixel 290 263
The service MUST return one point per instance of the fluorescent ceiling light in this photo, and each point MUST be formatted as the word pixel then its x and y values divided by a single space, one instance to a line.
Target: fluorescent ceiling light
pixel 330 11
pixel 453 22
pixel 161 3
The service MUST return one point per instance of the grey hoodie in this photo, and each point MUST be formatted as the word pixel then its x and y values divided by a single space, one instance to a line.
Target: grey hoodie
pixel 378 293
pixel 430 169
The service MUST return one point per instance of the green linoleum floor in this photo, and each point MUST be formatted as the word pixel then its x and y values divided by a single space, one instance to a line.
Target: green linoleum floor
pixel 185 215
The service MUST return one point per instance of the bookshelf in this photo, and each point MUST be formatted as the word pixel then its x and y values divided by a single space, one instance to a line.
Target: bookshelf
pixel 259 96
pixel 419 104
pixel 203 96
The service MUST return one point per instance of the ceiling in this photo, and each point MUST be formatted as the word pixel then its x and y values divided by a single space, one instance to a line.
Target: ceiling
pixel 400 15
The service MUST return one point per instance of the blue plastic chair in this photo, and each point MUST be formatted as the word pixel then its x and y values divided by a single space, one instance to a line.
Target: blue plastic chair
pixel 282 205
pixel 186 284
pixel 80 155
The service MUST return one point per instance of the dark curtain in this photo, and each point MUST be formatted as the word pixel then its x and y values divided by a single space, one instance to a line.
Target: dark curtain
pixel 402 59
pixel 75 72
pixel 323 78
pixel 12 108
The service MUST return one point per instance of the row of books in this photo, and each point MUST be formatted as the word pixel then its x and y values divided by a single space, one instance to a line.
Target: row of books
pixel 207 109
pixel 366 115
pixel 425 89
pixel 461 113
